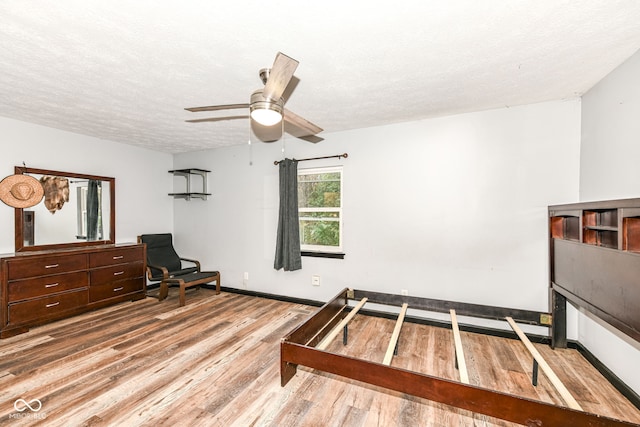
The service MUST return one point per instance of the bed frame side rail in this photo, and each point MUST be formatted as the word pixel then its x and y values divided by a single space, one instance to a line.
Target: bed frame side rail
pixel 462 309
pixel 480 400
pixel 313 330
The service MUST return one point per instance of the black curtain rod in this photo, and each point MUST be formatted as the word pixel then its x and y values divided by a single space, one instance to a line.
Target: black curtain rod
pixel 337 156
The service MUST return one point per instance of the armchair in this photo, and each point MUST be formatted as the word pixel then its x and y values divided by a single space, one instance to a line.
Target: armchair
pixel 165 266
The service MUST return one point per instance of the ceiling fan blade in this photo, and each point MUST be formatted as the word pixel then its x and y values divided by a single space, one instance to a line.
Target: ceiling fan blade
pixel 312 138
pixel 279 76
pixel 216 119
pixel 217 107
pixel 306 128
pixel 300 133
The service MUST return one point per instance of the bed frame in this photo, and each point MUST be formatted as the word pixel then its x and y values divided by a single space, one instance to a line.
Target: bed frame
pixel 306 346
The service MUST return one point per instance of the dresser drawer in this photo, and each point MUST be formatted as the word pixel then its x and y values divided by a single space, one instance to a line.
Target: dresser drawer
pixel 115 256
pixel 47 307
pixel 47 285
pixel 114 273
pixel 115 289
pixel 43 266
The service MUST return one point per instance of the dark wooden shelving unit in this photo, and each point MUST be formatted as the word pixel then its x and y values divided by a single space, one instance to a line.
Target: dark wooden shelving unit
pixel 594 250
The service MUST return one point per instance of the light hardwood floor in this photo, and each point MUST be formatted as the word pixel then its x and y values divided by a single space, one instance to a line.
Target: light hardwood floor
pixel 215 362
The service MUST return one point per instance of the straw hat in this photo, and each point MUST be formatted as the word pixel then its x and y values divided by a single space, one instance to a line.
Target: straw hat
pixel 21 191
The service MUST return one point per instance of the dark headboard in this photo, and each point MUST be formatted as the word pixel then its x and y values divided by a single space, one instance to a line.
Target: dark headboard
pixel 595 262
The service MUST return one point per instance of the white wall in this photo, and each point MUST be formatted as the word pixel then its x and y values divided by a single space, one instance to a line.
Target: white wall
pixel 451 208
pixel 611 135
pixel 142 181
pixel 609 170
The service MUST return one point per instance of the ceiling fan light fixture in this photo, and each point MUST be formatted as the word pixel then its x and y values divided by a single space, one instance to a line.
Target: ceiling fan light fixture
pixel 265 111
pixel 265 116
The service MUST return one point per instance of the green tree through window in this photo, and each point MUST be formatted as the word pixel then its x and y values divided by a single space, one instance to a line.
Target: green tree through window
pixel 320 209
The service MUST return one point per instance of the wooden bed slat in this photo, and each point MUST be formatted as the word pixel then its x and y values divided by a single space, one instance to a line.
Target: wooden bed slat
pixel 457 340
pixel 330 337
pixel 564 392
pixel 394 337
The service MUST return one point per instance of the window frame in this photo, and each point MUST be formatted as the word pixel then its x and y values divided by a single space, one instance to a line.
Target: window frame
pixel 322 250
pixel 82 192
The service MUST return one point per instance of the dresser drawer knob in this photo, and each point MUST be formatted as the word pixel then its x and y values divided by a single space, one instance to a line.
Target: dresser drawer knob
pixel 51 266
pixel 118 257
pixel 53 304
pixel 117 273
pixel 51 285
pixel 118 289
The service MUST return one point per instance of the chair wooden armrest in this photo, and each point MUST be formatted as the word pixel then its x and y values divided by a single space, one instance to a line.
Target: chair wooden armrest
pixel 195 261
pixel 165 272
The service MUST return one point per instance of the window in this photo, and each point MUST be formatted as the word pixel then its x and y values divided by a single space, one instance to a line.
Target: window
pixel 82 194
pixel 81 197
pixel 320 209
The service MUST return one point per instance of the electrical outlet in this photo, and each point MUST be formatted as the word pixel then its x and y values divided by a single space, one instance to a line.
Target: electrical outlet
pixel 546 319
pixel 245 279
pixel 404 292
pixel 315 280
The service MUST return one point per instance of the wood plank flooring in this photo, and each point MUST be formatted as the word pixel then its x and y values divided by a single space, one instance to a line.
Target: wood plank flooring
pixel 215 362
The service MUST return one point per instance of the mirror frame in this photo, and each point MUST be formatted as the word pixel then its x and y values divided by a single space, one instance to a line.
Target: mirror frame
pixel 19 219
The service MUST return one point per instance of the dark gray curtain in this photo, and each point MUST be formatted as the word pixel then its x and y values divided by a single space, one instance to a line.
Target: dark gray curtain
pixel 288 242
pixel 93 204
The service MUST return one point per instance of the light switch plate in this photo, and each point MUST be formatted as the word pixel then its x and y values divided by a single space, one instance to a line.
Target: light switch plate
pixel 315 280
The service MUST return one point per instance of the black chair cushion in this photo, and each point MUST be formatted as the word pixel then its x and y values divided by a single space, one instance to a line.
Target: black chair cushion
pixel 192 277
pixel 160 252
pixel 183 271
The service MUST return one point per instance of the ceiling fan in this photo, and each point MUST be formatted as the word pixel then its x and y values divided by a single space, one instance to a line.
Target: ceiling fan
pixel 266 105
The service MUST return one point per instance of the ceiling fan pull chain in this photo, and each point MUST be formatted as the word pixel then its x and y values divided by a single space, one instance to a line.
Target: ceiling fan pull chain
pixel 250 149
pixel 282 134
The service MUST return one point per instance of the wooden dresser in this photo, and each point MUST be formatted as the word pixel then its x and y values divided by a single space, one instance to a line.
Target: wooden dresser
pixel 39 287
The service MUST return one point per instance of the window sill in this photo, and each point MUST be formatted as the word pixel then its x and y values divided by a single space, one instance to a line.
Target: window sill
pixel 335 255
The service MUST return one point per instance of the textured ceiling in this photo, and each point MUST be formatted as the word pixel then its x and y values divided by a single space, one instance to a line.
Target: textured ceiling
pixel 124 70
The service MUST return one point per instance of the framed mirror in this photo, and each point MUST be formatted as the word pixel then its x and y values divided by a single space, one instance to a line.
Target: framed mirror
pixel 77 210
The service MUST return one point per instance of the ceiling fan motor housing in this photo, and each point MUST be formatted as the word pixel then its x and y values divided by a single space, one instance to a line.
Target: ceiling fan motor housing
pixel 270 109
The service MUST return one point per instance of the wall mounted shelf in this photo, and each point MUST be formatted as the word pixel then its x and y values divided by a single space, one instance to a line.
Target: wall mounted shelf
pixel 188 174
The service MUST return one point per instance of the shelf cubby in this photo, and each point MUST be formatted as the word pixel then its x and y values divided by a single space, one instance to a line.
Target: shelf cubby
pixel 565 227
pixel 600 227
pixel 631 234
